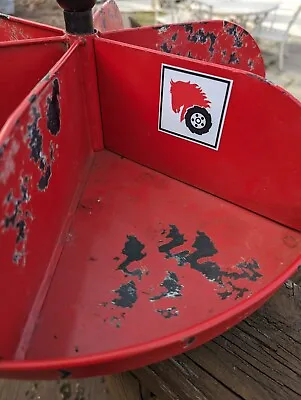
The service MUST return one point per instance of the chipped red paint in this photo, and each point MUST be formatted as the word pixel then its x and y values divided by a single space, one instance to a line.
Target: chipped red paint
pixel 108 265
pixel 187 94
pixel 107 17
pixel 12 29
pixel 216 42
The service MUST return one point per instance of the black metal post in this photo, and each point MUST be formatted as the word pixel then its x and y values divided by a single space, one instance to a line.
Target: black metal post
pixel 78 16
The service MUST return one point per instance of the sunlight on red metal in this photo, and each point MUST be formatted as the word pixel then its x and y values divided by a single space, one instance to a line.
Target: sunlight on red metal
pixel 122 245
pixel 12 28
pixel 217 42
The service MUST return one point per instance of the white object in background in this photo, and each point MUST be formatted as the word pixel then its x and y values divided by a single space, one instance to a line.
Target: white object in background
pixel 277 35
pixel 173 11
pixel 7 7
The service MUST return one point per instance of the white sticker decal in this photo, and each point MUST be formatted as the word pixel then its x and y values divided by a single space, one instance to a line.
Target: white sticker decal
pixel 193 105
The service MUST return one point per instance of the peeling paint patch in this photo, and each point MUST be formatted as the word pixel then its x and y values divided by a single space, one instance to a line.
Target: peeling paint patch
pixel 201 37
pixel 199 261
pixel 15 217
pixel 237 34
pixel 162 29
pixel 177 240
pixel 188 28
pixel 51 151
pixel 127 295
pixel 2 148
pixel 44 181
pixel 43 162
pixel 164 47
pixel 260 78
pixel 214 273
pixel 233 59
pixel 53 109
pixel 7 164
pixel 32 98
pixel 46 78
pixel 251 64
pixel 172 286
pixel 174 37
pixel 133 251
pixel 117 321
pixel 231 290
pixel 35 137
pixel 168 312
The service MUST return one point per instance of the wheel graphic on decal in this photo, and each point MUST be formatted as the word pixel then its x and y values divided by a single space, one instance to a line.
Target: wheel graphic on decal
pixel 198 120
pixel 192 101
pixel 193 105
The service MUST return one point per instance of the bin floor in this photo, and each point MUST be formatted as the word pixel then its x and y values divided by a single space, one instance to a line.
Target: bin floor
pixel 148 256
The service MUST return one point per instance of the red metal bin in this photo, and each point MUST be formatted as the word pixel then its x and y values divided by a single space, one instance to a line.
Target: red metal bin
pixel 150 190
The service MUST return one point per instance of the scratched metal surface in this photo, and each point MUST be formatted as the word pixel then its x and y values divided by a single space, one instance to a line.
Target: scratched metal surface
pixel 147 257
pixel 41 165
pixel 12 28
pixel 217 42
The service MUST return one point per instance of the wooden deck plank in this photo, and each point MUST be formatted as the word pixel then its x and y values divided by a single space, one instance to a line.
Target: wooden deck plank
pixel 258 359
pixel 127 387
pixel 84 389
